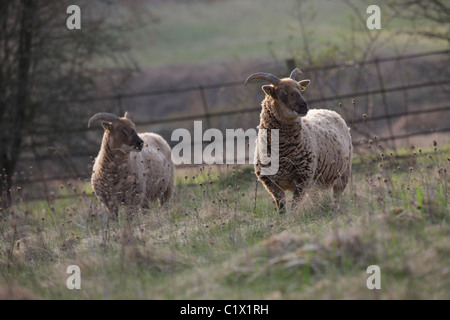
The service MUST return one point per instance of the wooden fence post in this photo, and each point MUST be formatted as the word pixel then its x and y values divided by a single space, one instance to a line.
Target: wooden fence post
pixel 205 106
pixel 384 102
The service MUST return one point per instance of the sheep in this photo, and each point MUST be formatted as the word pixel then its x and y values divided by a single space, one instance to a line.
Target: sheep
pixel 315 146
pixel 130 169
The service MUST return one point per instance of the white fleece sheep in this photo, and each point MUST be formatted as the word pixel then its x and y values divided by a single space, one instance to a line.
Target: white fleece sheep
pixel 315 146
pixel 131 169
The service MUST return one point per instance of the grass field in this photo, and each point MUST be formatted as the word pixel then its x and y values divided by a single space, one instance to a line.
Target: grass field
pixel 204 32
pixel 220 238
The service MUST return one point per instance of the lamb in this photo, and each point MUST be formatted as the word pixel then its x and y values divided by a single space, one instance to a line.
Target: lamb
pixel 315 146
pixel 131 169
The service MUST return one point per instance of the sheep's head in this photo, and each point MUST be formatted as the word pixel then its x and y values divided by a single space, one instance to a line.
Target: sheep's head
pixel 286 93
pixel 121 131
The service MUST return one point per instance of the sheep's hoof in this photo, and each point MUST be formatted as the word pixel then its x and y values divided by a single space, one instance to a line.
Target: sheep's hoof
pixel 336 204
pixel 281 207
pixel 113 217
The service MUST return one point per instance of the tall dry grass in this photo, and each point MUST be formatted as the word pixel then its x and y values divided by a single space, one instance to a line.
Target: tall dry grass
pixel 220 237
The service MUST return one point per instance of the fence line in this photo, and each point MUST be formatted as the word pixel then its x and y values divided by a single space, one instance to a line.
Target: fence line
pixel 348 64
pixel 357 121
pixel 254 109
pixel 208 115
pixel 22 182
pixel 355 143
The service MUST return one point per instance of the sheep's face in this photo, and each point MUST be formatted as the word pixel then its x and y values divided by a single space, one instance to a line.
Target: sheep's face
pixel 290 103
pixel 123 135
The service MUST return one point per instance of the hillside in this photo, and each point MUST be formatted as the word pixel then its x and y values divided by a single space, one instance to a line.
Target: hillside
pixel 220 238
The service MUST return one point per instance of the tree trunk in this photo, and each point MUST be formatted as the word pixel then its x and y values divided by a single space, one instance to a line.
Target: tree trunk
pixel 10 152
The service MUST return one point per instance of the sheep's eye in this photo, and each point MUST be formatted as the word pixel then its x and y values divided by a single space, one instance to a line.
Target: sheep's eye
pixel 282 93
pixel 124 132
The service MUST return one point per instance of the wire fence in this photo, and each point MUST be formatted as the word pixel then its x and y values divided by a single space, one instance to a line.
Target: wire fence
pixel 78 163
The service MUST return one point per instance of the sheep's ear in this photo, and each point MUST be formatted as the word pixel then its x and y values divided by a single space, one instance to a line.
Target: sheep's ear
pixel 107 125
pixel 269 90
pixel 128 115
pixel 304 83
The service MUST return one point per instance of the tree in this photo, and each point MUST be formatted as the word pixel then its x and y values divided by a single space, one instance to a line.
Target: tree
pixel 434 13
pixel 45 67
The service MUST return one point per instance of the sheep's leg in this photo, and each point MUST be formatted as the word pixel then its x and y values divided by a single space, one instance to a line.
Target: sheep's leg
pixel 299 192
pixel 277 194
pixel 338 189
pixel 112 208
pixel 339 185
pixel 113 214
pixel 164 198
pixel 280 200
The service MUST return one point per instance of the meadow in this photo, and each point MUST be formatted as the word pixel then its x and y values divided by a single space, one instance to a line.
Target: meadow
pixel 225 32
pixel 221 238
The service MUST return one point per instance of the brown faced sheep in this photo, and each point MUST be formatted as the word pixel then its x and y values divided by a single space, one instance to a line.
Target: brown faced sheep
pixel 315 146
pixel 131 169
